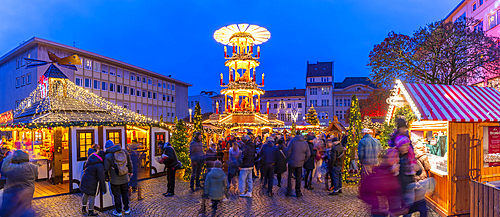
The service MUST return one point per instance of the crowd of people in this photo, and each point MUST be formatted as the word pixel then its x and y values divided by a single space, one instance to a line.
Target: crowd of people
pixel 395 176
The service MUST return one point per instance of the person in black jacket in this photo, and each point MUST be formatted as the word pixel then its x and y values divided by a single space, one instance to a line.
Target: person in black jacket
pixel 171 163
pixel 309 164
pixel 92 175
pixel 246 167
pixel 268 159
pixel 336 159
pixel 280 161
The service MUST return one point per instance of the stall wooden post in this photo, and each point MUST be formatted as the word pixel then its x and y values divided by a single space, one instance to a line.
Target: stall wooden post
pixel 57 173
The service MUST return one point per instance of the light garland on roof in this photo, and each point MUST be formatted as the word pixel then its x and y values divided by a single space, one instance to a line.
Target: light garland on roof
pixel 413 106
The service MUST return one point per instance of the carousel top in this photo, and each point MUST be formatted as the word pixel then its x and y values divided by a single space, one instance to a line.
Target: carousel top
pixel 237 33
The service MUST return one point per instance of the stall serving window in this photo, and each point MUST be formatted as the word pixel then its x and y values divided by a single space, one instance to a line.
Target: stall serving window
pixel 114 135
pixel 159 137
pixel 434 143
pixel 84 140
pixel 491 146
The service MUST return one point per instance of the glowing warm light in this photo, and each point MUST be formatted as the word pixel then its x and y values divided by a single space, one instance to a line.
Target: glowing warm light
pixel 238 33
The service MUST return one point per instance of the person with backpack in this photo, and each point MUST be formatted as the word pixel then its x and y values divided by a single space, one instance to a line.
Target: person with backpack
pixel 118 165
pixel 336 159
pixel 93 175
pixel 172 164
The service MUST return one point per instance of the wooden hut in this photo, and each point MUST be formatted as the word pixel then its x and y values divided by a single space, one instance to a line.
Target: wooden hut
pixel 335 128
pixel 460 127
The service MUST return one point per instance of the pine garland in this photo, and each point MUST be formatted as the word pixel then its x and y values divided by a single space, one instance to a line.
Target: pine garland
pixel 180 143
pixel 312 116
pixel 353 138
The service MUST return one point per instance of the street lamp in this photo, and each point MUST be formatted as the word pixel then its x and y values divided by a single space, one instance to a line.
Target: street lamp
pixel 190 112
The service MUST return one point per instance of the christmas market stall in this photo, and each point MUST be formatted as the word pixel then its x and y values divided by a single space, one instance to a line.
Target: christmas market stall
pixel 60 121
pixel 335 128
pixel 459 125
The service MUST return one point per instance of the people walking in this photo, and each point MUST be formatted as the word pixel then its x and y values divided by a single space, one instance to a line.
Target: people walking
pixel 210 157
pixel 280 161
pixel 134 157
pixel 318 159
pixel 309 164
pixel 297 153
pixel 233 163
pixel 196 155
pixel 172 164
pixel 215 186
pixel 336 159
pixel 269 154
pixel 93 176
pixel 368 150
pixel 326 159
pixel 246 167
pixel 118 165
pixel 20 185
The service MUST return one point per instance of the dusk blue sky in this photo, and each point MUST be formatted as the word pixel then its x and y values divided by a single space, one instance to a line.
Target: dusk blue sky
pixel 176 37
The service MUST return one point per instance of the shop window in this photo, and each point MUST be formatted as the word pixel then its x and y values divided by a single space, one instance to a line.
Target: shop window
pixel 114 135
pixel 84 140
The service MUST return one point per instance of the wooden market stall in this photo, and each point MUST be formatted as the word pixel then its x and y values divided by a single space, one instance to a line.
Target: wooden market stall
pixel 336 128
pixel 460 127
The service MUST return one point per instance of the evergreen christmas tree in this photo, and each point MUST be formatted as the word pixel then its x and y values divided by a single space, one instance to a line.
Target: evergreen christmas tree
pixel 293 129
pixel 353 137
pixel 312 116
pixel 197 121
pixel 180 143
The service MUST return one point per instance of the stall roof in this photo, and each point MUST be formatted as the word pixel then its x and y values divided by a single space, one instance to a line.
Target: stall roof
pixel 434 102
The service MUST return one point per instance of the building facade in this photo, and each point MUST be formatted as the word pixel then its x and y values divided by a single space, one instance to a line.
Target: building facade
pixel 343 92
pixel 319 90
pixel 205 100
pixel 146 92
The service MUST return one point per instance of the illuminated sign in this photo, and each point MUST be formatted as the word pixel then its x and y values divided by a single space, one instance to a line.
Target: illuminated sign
pixel 398 101
pixel 43 85
pixel 6 117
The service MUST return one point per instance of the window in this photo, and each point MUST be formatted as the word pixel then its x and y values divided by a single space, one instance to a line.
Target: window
pixel 299 105
pixel 480 2
pixel 474 7
pixel 132 77
pixel 282 117
pixel 325 90
pixel 104 86
pixel 23 81
pixel 81 63
pixel 173 87
pixel 479 27
pixel 313 102
pixel 138 92
pixel 28 78
pixel 154 95
pixel 97 66
pixel 172 100
pixel 492 21
pixel 159 84
pixel 143 80
pixel 149 94
pixel 138 78
pixel 172 114
pixel 87 83
pixel 168 98
pixel 104 69
pixel 168 86
pixel 119 88
pixel 119 73
pixel 288 117
pixel 282 105
pixel 313 91
pixel 88 64
pixel 96 84
pixel 78 82
pixel 112 70
pixel 28 56
pixel 164 85
pixel 275 106
pixel 289 105
pixel 125 90
pixel 325 102
pixel 111 87
pixel 114 135
pixel 84 140
pixel 132 92
pixel 164 97
pixel 149 81
pixel 18 63
pixel 144 94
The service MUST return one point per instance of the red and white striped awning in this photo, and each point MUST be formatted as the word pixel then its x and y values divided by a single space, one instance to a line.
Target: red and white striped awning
pixel 434 102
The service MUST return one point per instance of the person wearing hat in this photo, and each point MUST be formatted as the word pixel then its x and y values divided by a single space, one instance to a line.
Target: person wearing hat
pixel 368 150
pixel 215 185
pixel 115 161
pixel 309 164
pixel 196 155
pixel 297 153
pixel 93 175
pixel 246 167
pixel 268 159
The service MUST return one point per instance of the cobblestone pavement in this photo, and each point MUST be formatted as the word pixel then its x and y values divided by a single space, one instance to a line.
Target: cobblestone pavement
pixel 314 203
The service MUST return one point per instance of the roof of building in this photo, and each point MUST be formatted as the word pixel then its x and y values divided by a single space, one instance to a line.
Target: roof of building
pixel 54 72
pixel 36 40
pixel 279 93
pixel 348 81
pixel 320 69
pixel 454 9
pixel 435 102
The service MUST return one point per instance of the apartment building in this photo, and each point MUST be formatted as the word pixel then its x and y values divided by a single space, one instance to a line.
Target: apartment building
pixel 343 91
pixel 205 100
pixel 138 89
pixel 319 89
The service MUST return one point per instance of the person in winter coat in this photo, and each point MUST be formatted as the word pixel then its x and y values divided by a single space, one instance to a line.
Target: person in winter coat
pixel 368 150
pixel 246 167
pixel 20 186
pixel 280 167
pixel 309 164
pixel 210 157
pixel 269 154
pixel 234 163
pixel 297 153
pixel 115 160
pixel 215 185
pixel 319 148
pixel 92 176
pixel 196 155
pixel 423 162
pixel 326 159
pixel 134 156
pixel 171 164
pixel 382 187
pixel 335 163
